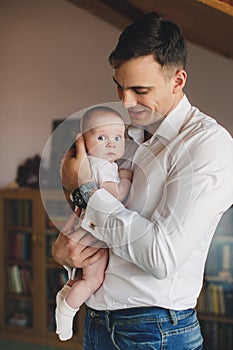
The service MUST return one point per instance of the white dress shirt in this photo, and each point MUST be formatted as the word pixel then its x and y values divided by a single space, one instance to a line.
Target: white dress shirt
pixel 159 239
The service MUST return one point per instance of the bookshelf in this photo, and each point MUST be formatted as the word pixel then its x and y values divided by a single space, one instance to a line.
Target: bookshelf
pixel 30 277
pixel 215 304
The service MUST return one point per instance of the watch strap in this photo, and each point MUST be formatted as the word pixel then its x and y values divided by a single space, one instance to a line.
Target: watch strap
pixel 87 189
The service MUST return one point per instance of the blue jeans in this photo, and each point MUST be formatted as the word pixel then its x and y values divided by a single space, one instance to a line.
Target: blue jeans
pixel 147 328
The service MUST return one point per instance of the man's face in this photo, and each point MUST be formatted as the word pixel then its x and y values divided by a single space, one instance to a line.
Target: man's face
pixel 147 91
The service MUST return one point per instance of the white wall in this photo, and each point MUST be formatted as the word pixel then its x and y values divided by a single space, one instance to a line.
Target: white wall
pixel 53 63
pixel 209 84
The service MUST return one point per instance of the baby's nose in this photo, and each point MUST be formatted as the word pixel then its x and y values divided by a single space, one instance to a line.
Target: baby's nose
pixel 111 143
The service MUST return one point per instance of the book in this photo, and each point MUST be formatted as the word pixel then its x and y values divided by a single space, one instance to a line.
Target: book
pixel 19 280
pixel 16 282
pixel 18 319
pixel 216 298
pixel 19 246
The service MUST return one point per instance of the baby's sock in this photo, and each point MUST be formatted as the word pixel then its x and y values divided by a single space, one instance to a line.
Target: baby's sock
pixel 64 320
pixel 62 294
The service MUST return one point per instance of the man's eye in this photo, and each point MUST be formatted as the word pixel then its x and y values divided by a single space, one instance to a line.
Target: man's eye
pixel 141 91
pixel 101 138
pixel 118 138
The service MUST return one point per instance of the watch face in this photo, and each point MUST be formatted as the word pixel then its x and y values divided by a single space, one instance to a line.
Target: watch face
pixel 78 199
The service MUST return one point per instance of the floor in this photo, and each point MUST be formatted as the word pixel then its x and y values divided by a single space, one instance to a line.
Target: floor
pixel 6 344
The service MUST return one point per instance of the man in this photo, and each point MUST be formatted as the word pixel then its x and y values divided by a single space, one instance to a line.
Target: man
pixel 182 184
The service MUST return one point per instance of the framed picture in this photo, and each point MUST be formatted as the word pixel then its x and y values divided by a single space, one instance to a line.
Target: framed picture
pixel 61 140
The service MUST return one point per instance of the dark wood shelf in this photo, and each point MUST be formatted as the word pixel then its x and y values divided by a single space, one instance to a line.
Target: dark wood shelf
pixel 36 307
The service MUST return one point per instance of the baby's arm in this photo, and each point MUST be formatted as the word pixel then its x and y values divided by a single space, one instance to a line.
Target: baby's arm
pixel 119 190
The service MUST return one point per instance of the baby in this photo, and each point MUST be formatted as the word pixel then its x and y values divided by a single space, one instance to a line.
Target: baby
pixel 104 133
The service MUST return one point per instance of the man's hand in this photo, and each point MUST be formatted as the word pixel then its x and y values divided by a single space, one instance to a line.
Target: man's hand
pixel 76 247
pixel 75 254
pixel 75 168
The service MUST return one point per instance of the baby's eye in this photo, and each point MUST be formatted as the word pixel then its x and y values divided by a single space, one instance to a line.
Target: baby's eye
pixel 118 138
pixel 101 138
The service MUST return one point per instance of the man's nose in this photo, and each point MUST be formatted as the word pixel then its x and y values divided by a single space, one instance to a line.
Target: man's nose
pixel 128 99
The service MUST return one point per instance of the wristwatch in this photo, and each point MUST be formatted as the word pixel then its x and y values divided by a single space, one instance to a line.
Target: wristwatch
pixel 77 199
pixel 80 196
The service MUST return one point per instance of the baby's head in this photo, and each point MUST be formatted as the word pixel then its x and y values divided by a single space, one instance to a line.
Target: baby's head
pixel 104 133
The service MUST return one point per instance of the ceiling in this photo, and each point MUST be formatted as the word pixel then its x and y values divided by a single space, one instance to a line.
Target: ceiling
pixel 207 23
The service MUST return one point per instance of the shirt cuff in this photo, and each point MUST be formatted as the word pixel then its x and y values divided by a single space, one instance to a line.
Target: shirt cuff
pixel 101 206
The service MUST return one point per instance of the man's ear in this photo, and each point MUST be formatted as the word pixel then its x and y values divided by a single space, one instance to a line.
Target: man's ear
pixel 179 80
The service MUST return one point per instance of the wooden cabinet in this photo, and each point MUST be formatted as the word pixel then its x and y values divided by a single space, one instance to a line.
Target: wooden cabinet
pixel 30 277
pixel 215 305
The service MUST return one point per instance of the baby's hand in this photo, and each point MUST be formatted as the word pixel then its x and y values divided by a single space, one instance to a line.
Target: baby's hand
pixel 125 174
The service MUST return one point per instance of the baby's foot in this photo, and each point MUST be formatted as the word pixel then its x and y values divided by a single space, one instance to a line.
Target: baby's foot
pixel 64 320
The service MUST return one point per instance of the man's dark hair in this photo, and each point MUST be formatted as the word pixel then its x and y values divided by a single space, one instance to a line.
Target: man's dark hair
pixel 151 34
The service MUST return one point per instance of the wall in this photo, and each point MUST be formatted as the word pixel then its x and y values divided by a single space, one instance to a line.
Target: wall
pixel 53 63
pixel 209 84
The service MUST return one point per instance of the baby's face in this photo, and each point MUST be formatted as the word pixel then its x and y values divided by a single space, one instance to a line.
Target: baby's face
pixel 106 138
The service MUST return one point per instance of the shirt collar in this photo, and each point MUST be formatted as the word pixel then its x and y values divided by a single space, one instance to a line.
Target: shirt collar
pixel 168 128
pixel 174 121
pixel 136 133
